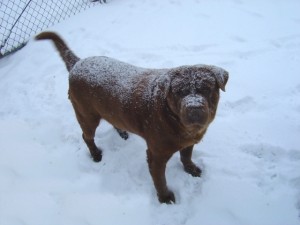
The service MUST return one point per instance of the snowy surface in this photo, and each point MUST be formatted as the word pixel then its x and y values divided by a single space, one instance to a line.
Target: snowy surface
pixel 250 154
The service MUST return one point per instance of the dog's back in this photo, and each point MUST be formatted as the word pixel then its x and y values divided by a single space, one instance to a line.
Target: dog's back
pixel 113 88
pixel 108 87
pixel 107 74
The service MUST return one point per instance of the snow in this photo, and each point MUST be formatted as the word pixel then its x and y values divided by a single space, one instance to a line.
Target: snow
pixel 195 101
pixel 250 155
pixel 104 71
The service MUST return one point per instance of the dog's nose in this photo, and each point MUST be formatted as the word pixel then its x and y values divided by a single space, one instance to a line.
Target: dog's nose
pixel 194 114
pixel 195 110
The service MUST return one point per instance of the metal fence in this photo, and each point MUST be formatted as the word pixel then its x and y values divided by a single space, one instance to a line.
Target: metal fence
pixel 20 19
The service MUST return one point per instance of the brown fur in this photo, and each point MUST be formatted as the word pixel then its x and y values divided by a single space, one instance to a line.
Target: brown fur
pixel 170 108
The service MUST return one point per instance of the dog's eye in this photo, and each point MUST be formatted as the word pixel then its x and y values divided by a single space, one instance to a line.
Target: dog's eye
pixel 186 91
pixel 183 92
pixel 205 91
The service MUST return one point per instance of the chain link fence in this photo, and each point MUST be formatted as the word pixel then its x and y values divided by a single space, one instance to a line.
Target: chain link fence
pixel 20 19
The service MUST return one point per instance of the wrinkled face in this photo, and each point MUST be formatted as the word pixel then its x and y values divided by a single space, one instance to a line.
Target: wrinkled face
pixel 194 95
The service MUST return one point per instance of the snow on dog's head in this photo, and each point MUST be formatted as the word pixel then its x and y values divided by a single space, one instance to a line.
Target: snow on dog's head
pixel 194 93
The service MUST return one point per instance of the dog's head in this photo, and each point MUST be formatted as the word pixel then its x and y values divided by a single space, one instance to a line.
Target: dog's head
pixel 193 93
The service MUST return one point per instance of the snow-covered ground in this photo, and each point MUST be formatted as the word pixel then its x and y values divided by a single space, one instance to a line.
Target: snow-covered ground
pixel 250 154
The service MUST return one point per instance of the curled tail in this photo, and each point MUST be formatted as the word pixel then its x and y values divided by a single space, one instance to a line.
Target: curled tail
pixel 67 55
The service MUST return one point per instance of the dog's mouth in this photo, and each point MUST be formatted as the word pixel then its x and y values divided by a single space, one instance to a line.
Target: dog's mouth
pixel 194 111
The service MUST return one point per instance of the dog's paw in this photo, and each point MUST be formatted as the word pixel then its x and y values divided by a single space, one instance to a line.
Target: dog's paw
pixel 192 169
pixel 97 156
pixel 123 134
pixel 168 197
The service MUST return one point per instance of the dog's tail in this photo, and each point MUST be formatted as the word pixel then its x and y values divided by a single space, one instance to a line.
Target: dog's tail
pixel 67 55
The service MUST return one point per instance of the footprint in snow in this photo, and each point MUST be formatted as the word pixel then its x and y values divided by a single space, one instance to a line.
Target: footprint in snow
pixel 297 89
pixel 274 166
pixel 238 39
pixel 265 152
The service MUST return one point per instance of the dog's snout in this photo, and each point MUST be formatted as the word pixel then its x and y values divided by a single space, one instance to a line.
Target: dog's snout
pixel 195 110
pixel 194 114
pixel 194 101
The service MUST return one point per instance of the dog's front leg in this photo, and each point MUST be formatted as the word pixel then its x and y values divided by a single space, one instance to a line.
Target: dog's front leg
pixel 157 167
pixel 186 159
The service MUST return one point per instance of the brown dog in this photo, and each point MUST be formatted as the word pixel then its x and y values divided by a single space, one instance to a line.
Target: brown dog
pixel 170 108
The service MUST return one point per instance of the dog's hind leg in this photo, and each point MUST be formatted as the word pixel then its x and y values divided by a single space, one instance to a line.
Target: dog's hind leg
pixel 123 134
pixel 96 152
pixel 89 124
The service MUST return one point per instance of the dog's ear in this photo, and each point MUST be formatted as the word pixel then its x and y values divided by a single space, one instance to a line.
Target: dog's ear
pixel 221 76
